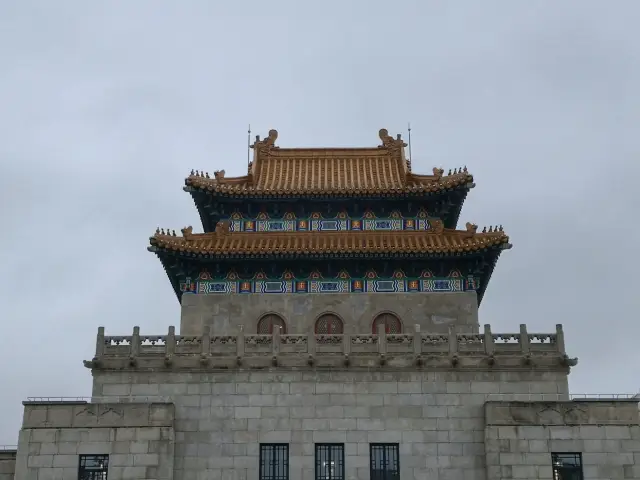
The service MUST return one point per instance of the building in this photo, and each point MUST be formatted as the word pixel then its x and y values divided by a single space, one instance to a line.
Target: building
pixel 329 330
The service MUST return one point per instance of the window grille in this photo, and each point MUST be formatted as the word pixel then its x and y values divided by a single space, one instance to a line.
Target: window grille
pixel 329 324
pixel 567 466
pixel 391 323
pixel 269 322
pixel 93 467
pixel 329 461
pixel 385 461
pixel 274 461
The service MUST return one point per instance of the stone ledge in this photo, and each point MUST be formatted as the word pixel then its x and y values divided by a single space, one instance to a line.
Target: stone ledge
pixel 511 351
pixel 600 412
pixel 417 343
pixel 635 400
pixel 284 362
pixel 105 415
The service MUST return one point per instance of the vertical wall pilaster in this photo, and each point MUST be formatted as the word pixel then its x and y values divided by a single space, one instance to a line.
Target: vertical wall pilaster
pixel 524 339
pixel 135 342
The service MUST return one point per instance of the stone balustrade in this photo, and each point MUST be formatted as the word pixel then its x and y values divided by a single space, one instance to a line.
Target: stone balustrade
pixel 522 349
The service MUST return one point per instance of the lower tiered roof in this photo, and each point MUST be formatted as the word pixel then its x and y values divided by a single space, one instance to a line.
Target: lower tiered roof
pixel 222 242
pixel 185 256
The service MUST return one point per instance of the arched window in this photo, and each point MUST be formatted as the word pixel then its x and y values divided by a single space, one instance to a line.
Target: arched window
pixel 390 321
pixel 329 324
pixel 268 322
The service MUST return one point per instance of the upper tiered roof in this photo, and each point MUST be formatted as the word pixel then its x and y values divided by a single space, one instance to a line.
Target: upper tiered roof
pixel 382 170
pixel 352 206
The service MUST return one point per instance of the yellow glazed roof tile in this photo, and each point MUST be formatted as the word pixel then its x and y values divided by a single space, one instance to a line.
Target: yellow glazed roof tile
pixel 435 240
pixel 355 171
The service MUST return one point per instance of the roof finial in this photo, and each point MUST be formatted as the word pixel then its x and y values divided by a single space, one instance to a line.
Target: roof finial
pixel 187 232
pixel 249 146
pixel 269 141
pixel 389 142
pixel 410 157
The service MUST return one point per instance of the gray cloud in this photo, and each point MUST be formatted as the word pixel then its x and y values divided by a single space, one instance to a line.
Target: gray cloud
pixel 107 107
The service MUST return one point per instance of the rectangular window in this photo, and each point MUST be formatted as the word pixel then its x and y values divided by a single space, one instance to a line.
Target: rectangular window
pixel 385 461
pixel 567 466
pixel 274 461
pixel 93 467
pixel 329 461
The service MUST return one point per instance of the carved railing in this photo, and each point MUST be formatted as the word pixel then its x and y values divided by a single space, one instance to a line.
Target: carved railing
pixel 421 347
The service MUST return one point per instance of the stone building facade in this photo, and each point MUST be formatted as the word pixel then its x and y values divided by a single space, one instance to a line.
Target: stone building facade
pixel 329 330
pixel 7 463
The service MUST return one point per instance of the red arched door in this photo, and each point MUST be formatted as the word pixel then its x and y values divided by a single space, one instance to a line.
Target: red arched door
pixel 268 322
pixel 391 323
pixel 329 324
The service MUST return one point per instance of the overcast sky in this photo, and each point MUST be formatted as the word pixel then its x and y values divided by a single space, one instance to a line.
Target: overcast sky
pixel 107 106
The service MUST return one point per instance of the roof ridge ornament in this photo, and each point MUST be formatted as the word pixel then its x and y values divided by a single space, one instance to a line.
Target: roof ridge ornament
pixel 266 144
pixel 458 171
pixel 495 230
pixel 393 144
pixel 222 227
pixel 187 232
pixel 437 226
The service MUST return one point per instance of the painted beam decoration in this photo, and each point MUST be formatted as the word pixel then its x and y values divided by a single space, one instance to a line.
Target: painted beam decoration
pixel 319 223
pixel 205 284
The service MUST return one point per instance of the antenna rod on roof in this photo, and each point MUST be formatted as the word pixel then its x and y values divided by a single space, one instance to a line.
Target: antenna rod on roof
pixel 249 146
pixel 410 157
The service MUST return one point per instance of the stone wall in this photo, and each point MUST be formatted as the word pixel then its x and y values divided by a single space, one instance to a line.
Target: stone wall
pixel 434 312
pixel 7 464
pixel 139 439
pixel 520 437
pixel 436 417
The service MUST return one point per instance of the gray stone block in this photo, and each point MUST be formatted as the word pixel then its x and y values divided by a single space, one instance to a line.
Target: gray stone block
pixel 329 437
pixel 247 412
pixel 224 313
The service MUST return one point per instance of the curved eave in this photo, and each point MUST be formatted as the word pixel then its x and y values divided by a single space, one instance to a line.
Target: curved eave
pixel 198 195
pixel 454 217
pixel 365 194
pixel 489 272
pixel 269 255
pixel 172 278
pixel 205 219
pixel 165 254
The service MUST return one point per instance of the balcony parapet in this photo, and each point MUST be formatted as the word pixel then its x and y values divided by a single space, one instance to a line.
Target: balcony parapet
pixel 488 350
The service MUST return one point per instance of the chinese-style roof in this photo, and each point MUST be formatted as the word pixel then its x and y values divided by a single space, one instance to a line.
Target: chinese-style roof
pixel 381 170
pixel 436 240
